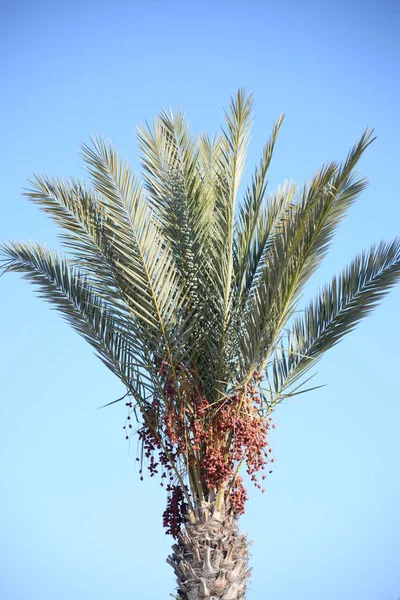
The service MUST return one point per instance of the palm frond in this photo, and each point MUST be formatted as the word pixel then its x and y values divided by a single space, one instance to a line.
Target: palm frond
pixel 174 179
pixel 335 312
pixel 75 209
pixel 273 292
pixel 170 158
pixel 299 248
pixel 104 326
pixel 234 144
pixel 153 288
pixel 251 232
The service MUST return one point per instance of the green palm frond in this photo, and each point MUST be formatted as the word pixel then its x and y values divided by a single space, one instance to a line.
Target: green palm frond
pixel 106 328
pixel 87 231
pixel 172 174
pixel 253 224
pixel 244 326
pixel 174 180
pixel 335 312
pixel 298 250
pixel 75 209
pixel 153 289
pixel 273 293
pixel 234 144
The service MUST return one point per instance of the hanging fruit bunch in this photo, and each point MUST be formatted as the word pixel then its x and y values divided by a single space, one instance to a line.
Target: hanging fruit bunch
pixel 184 432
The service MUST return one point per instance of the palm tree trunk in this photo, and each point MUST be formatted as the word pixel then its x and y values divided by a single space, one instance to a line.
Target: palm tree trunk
pixel 210 558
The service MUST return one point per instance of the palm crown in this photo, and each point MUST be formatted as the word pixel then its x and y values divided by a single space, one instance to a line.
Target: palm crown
pixel 190 297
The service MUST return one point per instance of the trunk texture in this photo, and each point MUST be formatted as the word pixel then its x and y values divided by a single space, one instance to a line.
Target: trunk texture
pixel 210 557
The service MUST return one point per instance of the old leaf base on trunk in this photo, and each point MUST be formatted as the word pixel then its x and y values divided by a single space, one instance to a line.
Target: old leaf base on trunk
pixel 210 557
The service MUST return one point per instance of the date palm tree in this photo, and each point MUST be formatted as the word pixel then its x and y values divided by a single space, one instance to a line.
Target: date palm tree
pixel 191 298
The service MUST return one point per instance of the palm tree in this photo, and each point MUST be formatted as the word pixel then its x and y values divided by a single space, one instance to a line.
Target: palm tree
pixel 192 300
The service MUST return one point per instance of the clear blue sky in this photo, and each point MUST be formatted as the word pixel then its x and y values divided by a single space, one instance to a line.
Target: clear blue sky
pixel 75 522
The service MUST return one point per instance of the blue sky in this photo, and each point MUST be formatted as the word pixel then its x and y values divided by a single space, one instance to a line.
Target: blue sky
pixel 75 522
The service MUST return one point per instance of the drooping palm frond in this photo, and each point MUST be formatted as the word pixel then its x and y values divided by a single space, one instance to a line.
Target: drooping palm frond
pixel 75 209
pixel 105 326
pixel 335 312
pixel 88 231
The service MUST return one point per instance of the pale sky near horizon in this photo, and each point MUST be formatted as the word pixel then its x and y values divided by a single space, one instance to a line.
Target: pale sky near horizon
pixel 75 521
